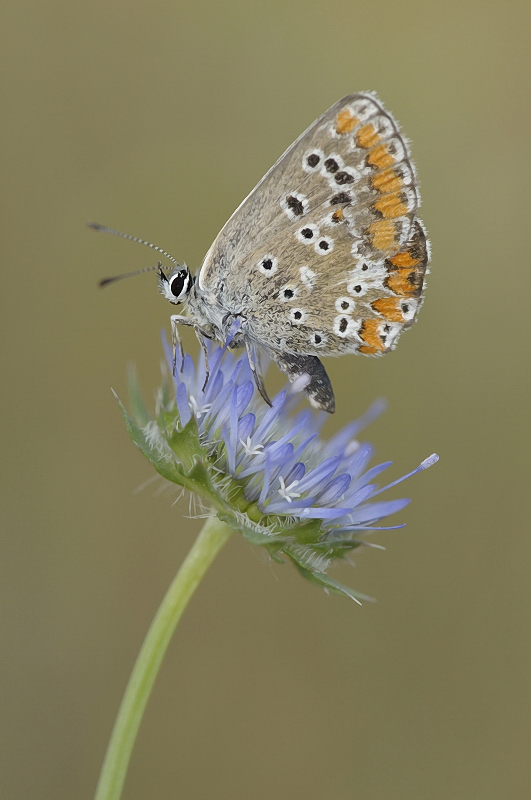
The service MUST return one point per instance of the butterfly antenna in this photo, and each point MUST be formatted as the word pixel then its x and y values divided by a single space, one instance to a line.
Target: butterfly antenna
pixel 106 281
pixel 97 227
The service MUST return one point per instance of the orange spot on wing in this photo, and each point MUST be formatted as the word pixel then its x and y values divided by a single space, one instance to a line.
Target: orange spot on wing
pixel 390 308
pixel 380 157
pixel 382 234
pixel 404 281
pixel 404 260
pixel 370 333
pixel 337 216
pixel 346 121
pixel 391 206
pixel 388 181
pixel 367 137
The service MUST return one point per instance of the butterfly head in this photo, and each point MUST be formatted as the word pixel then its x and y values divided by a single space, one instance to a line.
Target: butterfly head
pixel 175 286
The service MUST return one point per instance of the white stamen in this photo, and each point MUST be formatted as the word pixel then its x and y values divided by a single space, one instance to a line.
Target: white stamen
pixel 287 491
pixel 198 412
pixel 250 449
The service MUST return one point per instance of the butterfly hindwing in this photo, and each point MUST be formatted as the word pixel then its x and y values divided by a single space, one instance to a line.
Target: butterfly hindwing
pixel 326 256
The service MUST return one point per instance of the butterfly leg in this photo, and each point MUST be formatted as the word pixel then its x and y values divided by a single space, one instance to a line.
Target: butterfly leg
pixel 177 319
pixel 319 389
pixel 201 339
pixel 254 363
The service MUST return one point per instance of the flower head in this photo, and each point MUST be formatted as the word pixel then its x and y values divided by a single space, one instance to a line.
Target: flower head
pixel 266 471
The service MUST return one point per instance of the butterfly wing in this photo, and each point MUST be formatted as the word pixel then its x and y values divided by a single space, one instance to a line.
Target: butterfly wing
pixel 326 254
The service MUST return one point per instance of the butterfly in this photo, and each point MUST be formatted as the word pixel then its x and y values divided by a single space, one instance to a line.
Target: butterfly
pixel 325 257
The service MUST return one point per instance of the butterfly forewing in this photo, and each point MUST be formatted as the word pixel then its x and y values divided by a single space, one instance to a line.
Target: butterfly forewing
pixel 326 255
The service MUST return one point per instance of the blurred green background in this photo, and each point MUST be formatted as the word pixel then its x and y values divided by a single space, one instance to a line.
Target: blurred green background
pixel 158 118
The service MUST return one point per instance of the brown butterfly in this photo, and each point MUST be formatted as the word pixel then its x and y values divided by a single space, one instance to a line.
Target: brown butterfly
pixel 326 256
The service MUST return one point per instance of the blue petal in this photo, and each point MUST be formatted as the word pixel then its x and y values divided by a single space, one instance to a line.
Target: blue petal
pixel 269 418
pixel 335 489
pixel 358 461
pixel 183 407
pixel 340 440
pixel 368 476
pixel 320 474
pixel 246 426
pixel 233 430
pixel 357 496
pixel 375 511
pixel 219 413
pixel 321 513
pixel 283 443
pixel 265 485
pixel 187 371
pixel 280 455
pixel 296 473
pixel 244 397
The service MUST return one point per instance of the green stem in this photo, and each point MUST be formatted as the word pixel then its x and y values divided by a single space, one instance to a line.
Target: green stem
pixel 206 547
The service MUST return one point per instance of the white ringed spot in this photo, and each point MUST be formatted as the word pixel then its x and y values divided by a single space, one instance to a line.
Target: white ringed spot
pixel 288 293
pixel 307 234
pixel 346 326
pixel 357 288
pixel 312 159
pixel 318 339
pixel 268 265
pixel 324 245
pixel 345 305
pixel 346 177
pixel 331 164
pixel 298 316
pixel 294 205
pixel 389 333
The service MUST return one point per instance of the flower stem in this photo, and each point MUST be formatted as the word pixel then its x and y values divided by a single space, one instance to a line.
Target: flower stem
pixel 206 547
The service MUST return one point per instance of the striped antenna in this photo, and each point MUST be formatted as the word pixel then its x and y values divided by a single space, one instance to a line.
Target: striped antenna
pixel 97 227
pixel 106 281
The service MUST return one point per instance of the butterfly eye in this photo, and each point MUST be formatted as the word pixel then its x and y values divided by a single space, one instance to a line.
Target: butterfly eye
pixel 176 286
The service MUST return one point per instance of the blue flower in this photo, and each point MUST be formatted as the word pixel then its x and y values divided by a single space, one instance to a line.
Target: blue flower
pixel 266 471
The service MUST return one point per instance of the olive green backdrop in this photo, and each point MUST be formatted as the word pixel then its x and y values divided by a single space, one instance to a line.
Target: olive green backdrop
pixel 158 118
